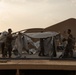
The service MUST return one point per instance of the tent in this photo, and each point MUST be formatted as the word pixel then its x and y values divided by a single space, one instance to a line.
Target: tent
pixel 49 41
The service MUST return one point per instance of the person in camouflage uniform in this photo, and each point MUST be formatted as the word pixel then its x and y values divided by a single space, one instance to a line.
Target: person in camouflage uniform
pixel 69 48
pixel 8 43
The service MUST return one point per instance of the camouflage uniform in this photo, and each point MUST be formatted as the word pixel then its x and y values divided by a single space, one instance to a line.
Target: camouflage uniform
pixel 69 47
pixel 41 53
pixel 8 44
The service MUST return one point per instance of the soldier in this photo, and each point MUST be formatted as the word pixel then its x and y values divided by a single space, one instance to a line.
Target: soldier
pixel 8 43
pixel 41 53
pixel 69 48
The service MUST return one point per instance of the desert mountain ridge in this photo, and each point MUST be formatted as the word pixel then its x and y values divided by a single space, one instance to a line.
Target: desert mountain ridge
pixel 63 26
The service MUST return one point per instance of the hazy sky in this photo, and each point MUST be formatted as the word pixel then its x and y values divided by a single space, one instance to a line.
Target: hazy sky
pixel 23 14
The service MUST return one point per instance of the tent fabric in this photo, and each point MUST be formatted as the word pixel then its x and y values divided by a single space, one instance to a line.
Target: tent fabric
pixel 48 44
pixel 25 42
pixel 41 35
pixel 19 44
pixel 3 36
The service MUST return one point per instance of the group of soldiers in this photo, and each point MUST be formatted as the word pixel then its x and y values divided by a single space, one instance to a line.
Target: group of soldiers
pixel 68 47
